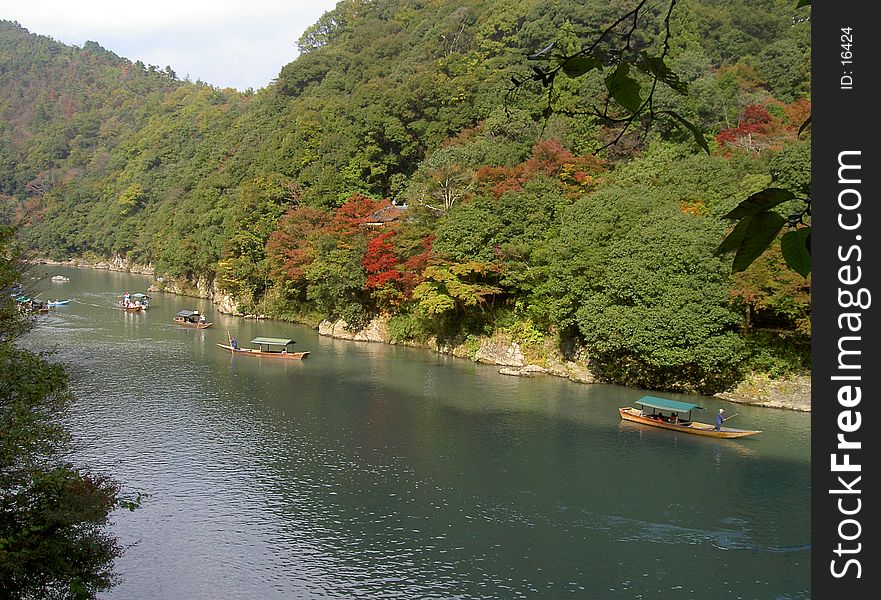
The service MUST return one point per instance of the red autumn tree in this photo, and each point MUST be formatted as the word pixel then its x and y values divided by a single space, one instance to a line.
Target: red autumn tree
pixel 381 261
pixel 550 158
pixel 358 211
pixel 413 268
pixel 764 126
pixel 290 247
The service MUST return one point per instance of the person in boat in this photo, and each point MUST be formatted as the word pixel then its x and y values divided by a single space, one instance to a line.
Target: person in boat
pixel 720 419
pixel 201 318
pixel 674 418
pixel 234 343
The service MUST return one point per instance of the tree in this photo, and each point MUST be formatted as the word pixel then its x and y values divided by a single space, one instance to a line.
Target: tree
pixel 443 179
pixel 631 55
pixel 291 247
pixel 243 270
pixel 658 313
pixel 382 265
pixel 54 541
pixel 449 291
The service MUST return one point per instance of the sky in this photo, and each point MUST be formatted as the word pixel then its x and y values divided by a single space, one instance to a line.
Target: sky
pixel 226 43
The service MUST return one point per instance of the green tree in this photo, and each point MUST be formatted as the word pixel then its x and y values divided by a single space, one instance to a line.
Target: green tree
pixel 336 280
pixel 658 314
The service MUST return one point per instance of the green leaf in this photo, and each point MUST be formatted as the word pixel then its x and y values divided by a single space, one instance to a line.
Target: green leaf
pixel 759 202
pixel 624 89
pixel 797 250
pixel 656 67
pixel 578 66
pixel 734 239
pixel 695 131
pixel 761 231
pixel 803 3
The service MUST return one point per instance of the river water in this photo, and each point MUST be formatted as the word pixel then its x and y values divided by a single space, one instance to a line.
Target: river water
pixel 373 471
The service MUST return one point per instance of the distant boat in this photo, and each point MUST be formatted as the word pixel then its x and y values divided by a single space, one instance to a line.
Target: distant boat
pixel 192 318
pixel 60 278
pixel 670 414
pixel 131 306
pixel 57 302
pixel 28 305
pixel 267 347
pixel 135 302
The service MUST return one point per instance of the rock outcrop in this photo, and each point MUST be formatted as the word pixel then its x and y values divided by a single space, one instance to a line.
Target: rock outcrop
pixel 375 331
pixel 793 393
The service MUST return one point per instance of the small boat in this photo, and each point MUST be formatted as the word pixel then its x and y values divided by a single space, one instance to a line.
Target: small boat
pixel 131 306
pixel 266 347
pixel 668 414
pixel 28 306
pixel 60 278
pixel 192 318
pixel 134 302
pixel 57 302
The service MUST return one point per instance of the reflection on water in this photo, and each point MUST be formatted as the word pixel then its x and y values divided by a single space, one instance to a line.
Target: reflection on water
pixel 376 471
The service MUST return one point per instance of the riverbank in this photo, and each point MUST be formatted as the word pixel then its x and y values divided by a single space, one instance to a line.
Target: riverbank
pixel 791 393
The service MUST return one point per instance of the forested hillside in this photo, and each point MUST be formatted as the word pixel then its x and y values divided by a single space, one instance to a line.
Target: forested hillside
pixel 384 172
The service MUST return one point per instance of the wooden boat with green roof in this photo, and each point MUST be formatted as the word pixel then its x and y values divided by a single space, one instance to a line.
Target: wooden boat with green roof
pixel 676 416
pixel 266 347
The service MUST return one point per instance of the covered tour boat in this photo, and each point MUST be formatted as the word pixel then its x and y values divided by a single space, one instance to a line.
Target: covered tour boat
pixel 266 346
pixel 675 415
pixel 192 318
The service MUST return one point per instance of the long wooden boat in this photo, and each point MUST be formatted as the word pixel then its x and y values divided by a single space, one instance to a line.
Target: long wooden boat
pixel 676 416
pixel 192 318
pixel 267 347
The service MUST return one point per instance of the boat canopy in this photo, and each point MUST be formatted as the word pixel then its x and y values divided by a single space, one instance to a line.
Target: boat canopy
pixel 186 314
pixel 665 404
pixel 138 296
pixel 268 341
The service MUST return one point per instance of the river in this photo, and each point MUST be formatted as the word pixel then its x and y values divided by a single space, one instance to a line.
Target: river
pixel 375 471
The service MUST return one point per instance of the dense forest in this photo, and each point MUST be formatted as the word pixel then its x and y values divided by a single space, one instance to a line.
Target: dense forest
pixel 387 171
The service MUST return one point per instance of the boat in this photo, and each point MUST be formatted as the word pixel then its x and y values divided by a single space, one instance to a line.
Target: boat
pixel 192 318
pixel 29 306
pixel 60 278
pixel 57 302
pixel 134 302
pixel 131 306
pixel 668 414
pixel 267 347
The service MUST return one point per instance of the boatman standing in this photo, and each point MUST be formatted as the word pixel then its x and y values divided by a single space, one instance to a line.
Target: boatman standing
pixel 720 419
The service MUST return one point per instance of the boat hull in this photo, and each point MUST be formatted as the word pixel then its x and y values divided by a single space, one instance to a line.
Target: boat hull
pixel 132 308
pixel 628 413
pixel 260 353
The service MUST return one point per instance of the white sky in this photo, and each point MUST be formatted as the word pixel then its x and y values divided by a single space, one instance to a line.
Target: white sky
pixel 226 43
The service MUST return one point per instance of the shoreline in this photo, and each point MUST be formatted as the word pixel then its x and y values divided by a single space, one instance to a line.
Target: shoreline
pixel 793 393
